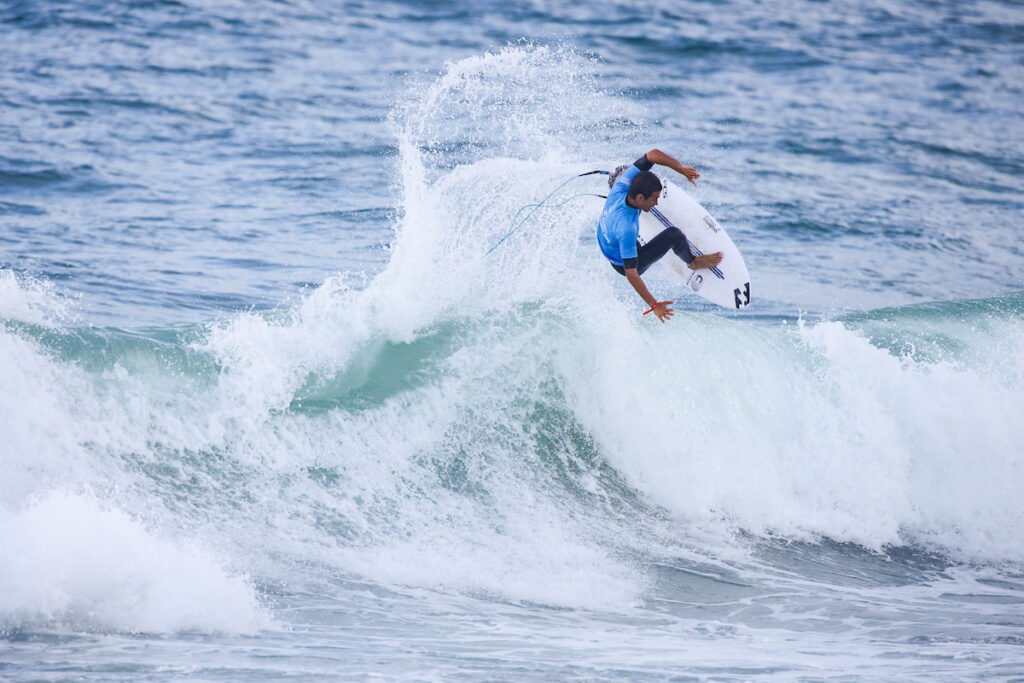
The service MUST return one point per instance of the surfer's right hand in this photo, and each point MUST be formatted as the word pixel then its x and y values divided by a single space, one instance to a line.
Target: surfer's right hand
pixel 663 310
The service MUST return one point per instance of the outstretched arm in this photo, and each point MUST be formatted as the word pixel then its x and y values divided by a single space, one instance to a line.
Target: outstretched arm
pixel 656 156
pixel 660 308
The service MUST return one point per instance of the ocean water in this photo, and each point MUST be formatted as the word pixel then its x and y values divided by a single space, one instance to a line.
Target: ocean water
pixel 268 409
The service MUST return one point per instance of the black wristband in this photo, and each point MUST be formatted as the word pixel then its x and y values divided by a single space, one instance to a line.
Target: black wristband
pixel 643 164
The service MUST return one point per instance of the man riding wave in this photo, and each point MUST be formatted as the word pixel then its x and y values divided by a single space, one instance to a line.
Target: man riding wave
pixel 636 190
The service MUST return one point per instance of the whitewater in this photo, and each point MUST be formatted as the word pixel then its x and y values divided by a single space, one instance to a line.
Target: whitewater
pixel 269 408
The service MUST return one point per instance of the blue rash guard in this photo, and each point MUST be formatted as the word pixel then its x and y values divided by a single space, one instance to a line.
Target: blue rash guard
pixel 619 227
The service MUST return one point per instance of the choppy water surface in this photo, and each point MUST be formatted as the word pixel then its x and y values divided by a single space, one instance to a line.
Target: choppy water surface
pixel 268 408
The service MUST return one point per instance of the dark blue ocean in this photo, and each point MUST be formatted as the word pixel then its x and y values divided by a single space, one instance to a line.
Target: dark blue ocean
pixel 269 409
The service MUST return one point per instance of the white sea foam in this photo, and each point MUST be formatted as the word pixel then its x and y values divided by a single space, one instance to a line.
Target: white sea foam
pixel 70 562
pixel 818 433
pixel 29 300
pixel 38 440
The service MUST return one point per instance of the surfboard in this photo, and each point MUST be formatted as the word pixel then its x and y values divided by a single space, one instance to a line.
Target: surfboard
pixel 728 283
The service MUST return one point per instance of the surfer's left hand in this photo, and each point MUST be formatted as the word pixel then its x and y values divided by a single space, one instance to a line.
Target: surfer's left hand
pixel 691 173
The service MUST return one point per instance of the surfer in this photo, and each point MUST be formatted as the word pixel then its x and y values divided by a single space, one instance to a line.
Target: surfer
pixel 637 189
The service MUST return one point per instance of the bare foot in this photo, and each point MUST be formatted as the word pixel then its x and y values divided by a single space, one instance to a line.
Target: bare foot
pixel 706 261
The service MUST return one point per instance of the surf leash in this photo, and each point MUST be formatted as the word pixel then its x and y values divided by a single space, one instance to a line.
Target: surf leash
pixel 544 202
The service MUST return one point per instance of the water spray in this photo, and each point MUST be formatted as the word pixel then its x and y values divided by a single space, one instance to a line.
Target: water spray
pixel 544 202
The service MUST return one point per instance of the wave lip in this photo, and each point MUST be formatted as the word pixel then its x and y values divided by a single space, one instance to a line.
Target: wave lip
pixel 31 301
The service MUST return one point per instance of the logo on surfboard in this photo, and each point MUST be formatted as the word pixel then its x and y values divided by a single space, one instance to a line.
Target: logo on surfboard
pixel 745 292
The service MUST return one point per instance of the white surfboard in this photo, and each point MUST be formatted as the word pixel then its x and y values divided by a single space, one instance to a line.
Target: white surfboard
pixel 728 283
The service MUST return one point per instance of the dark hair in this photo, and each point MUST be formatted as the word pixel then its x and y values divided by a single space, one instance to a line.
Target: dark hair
pixel 645 183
